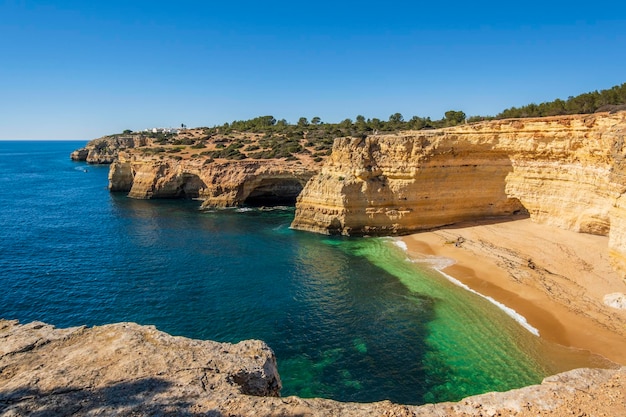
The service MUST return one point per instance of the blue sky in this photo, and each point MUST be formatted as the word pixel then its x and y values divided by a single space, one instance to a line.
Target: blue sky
pixel 80 70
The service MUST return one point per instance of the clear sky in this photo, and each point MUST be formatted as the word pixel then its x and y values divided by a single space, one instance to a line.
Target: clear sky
pixel 82 69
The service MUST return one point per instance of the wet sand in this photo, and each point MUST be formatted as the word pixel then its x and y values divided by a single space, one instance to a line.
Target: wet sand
pixel 555 278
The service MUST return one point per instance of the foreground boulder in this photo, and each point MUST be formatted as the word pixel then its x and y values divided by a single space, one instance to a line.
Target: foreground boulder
pixel 131 370
pixel 124 369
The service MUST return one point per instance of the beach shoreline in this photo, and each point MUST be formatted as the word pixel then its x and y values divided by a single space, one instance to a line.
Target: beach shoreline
pixel 555 279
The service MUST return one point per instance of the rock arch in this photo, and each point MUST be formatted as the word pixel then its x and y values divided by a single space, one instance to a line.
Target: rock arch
pixel 273 192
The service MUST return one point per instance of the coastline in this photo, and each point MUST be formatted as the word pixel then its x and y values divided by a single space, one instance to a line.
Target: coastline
pixel 555 279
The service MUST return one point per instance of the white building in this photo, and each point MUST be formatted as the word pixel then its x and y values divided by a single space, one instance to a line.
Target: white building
pixel 171 130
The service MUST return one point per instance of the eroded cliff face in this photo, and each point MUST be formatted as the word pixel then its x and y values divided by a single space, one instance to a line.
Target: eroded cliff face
pixel 218 184
pixel 128 370
pixel 566 171
pixel 105 150
pixel 402 183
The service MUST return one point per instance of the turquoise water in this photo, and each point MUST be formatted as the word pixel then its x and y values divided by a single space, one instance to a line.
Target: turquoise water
pixel 349 319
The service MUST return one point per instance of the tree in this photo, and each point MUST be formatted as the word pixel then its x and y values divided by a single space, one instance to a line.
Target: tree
pixel 303 122
pixel 416 123
pixel 375 124
pixel 346 124
pixel 361 125
pixel 396 118
pixel 316 120
pixel 454 117
pixel 265 121
pixel 583 103
pixel 127 132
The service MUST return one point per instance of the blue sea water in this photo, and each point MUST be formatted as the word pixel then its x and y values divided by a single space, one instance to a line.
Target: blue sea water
pixel 349 319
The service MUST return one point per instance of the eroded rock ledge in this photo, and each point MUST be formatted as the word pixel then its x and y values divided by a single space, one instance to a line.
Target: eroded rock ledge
pixel 126 369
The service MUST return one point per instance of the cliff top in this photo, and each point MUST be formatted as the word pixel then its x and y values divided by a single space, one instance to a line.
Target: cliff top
pixel 307 144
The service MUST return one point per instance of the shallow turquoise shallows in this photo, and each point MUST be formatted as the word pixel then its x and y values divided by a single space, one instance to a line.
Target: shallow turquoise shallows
pixel 349 319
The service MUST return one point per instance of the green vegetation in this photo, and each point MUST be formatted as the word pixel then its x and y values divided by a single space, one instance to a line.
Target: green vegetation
pixel 229 152
pixel 605 100
pixel 283 140
pixel 153 151
pixel 265 137
pixel 199 145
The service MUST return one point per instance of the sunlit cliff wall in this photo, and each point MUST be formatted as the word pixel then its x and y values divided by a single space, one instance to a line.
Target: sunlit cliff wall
pixel 567 171
pixel 218 184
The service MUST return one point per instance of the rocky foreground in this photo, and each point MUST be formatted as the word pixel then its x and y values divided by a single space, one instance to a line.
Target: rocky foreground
pixel 126 369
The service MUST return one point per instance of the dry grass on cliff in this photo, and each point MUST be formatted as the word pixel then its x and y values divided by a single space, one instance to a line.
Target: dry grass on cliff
pixel 199 144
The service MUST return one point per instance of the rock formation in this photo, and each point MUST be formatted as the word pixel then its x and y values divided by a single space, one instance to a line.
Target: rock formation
pixel 129 370
pixel 104 150
pixel 121 368
pixel 566 171
pixel 218 183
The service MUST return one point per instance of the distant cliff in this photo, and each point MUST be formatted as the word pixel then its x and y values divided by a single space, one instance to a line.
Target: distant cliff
pixel 105 150
pixel 222 169
pixel 218 183
pixel 566 171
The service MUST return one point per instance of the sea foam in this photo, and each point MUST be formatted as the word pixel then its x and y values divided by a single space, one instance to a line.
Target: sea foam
pixel 440 263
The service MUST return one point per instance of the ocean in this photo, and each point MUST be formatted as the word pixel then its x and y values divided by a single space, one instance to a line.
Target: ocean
pixel 350 319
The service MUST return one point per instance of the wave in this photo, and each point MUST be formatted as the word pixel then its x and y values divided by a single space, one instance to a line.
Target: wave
pixel 440 263
pixel 509 311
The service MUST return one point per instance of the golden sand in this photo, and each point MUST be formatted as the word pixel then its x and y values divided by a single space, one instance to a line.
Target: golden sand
pixel 556 279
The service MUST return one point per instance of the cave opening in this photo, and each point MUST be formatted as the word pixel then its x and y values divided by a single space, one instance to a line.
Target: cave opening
pixel 274 192
pixel 190 186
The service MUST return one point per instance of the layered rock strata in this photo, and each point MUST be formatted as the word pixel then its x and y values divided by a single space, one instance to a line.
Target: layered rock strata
pixel 218 184
pixel 128 370
pixel 105 150
pixel 566 171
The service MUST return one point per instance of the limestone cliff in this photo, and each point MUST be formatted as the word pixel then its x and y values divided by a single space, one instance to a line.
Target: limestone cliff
pixel 225 183
pixel 566 171
pixel 130 370
pixel 104 150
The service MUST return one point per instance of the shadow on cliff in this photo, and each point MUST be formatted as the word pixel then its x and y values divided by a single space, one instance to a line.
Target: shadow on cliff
pixel 148 396
pixel 487 221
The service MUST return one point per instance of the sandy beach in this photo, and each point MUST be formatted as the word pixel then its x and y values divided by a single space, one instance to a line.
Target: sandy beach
pixel 556 279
